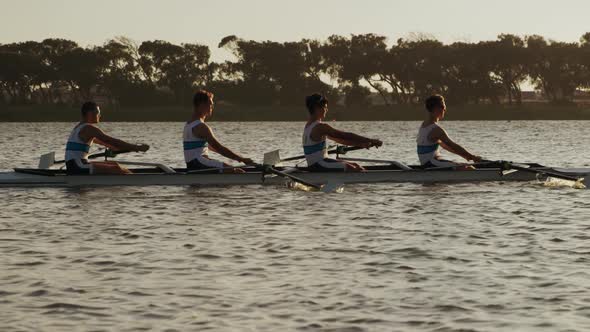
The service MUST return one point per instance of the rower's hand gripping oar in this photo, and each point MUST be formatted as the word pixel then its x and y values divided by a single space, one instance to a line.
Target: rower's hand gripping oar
pixel 47 160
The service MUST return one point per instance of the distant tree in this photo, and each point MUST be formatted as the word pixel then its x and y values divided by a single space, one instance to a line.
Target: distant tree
pixel 253 83
pixel 585 59
pixel 357 96
pixel 21 71
pixel 282 73
pixel 275 73
pixel 355 60
pixel 509 58
pixel 468 74
pixel 422 72
pixel 179 68
pixel 52 49
pixel 556 68
pixel 123 79
pixel 83 70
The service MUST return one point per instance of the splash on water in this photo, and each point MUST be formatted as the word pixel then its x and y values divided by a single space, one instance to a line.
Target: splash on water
pixel 338 188
pixel 560 183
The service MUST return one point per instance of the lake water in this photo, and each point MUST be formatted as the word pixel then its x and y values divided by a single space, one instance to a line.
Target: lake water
pixel 379 257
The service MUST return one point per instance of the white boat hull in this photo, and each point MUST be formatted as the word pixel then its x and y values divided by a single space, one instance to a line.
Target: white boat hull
pixel 16 179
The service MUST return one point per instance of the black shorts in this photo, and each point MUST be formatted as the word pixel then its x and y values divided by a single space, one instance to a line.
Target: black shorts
pixel 438 163
pixel 78 167
pixel 213 165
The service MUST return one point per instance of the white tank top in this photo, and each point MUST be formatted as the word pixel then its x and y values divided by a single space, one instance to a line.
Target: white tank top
pixel 427 149
pixel 314 150
pixel 75 147
pixel 194 147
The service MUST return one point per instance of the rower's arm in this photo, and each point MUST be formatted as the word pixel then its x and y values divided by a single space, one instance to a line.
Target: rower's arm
pixel 343 137
pixel 90 132
pixel 203 131
pixel 440 135
pixel 448 148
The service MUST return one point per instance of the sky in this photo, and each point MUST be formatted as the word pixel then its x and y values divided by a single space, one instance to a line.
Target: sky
pixel 206 22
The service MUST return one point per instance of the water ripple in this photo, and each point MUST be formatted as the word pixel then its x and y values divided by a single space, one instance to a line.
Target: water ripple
pixel 401 257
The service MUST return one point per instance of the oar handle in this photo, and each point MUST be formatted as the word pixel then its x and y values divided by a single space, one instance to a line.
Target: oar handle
pixel 340 149
pixel 294 158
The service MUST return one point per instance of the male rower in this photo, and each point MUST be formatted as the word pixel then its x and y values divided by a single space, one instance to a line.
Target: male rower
pixel 316 132
pixel 198 137
pixel 84 135
pixel 432 136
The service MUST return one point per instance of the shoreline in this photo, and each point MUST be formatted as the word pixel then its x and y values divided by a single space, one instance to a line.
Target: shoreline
pixel 532 111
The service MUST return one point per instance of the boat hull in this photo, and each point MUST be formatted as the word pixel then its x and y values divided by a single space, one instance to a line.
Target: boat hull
pixel 17 179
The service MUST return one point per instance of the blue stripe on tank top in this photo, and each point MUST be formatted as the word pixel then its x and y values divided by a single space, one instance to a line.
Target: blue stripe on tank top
pixel 422 149
pixel 189 145
pixel 309 149
pixel 74 146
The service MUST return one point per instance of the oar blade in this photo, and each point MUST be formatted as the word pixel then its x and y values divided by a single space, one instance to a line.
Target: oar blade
pixel 47 160
pixel 327 188
pixel 298 186
pixel 558 182
pixel 272 158
pixel 510 171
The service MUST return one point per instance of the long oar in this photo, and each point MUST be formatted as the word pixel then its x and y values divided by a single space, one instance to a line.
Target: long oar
pixel 47 160
pixel 380 161
pixel 453 167
pixel 507 166
pixel 272 158
pixel 338 150
pixel 326 188
pixel 108 153
pixel 217 170
pixel 272 170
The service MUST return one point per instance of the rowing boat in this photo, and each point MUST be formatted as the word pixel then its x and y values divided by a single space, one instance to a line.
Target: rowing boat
pixel 151 176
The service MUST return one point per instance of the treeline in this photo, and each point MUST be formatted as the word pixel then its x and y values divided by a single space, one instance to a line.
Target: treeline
pixel 348 69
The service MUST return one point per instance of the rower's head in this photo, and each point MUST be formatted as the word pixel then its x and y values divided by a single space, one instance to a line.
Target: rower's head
pixel 203 103
pixel 435 105
pixel 90 112
pixel 317 105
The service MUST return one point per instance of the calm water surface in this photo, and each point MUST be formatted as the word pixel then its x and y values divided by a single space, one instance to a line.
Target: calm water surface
pixel 381 257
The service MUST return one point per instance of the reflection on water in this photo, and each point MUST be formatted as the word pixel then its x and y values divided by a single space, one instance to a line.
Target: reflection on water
pixel 380 257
